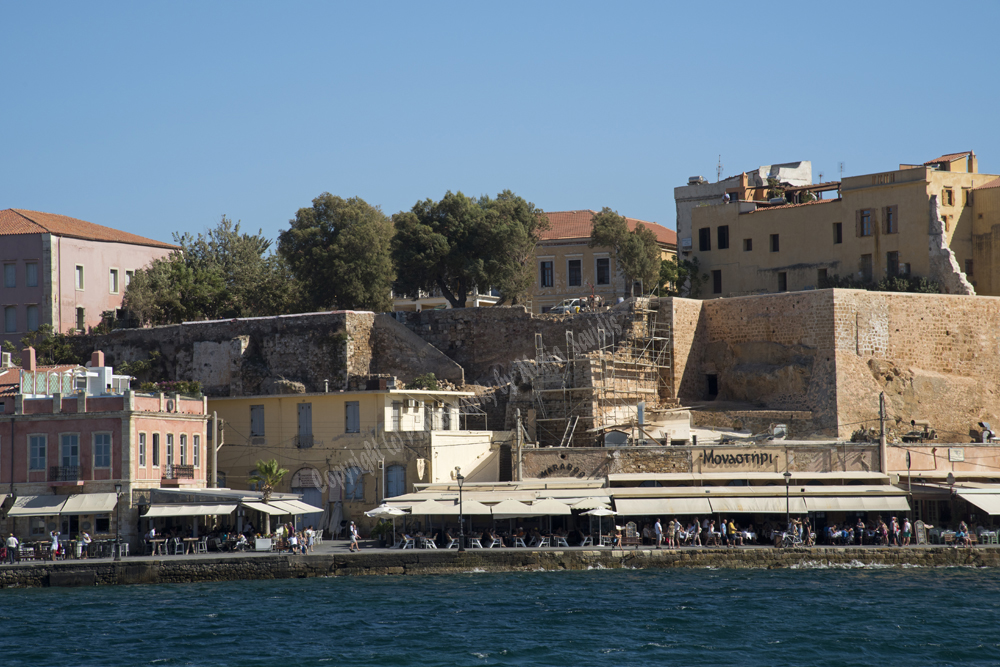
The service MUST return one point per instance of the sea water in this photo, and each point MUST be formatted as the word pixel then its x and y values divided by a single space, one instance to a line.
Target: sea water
pixel 610 617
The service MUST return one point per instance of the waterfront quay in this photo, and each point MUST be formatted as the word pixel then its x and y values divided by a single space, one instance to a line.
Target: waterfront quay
pixel 334 560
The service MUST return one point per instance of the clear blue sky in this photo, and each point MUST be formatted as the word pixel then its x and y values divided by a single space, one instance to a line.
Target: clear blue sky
pixel 161 117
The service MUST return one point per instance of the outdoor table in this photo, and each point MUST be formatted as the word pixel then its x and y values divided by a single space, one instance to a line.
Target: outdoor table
pixel 561 541
pixel 158 543
pixel 189 543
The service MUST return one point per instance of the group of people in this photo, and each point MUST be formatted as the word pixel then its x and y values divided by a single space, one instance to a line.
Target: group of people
pixel 296 541
pixel 895 533
pixel 697 533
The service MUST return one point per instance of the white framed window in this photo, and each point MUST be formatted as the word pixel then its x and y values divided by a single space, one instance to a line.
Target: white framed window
pixel 170 449
pixel 37 447
pixel 156 450
pixel 102 450
pixel 184 447
pixel 602 267
pixel 10 275
pixel 31 274
pixel 113 281
pixel 69 450
pixel 142 450
pixel 79 276
pixel 397 415
pixel 196 450
pixel 128 278
pixel 81 319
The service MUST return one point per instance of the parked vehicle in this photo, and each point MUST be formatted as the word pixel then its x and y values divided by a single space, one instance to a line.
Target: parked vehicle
pixel 567 306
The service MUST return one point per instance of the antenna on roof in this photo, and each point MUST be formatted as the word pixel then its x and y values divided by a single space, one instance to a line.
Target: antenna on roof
pixel 841 170
pixel 718 171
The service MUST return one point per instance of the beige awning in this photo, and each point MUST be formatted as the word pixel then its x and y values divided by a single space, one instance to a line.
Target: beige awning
pixel 662 506
pixel 551 507
pixel 431 508
pixel 758 505
pixel 295 507
pixel 37 506
pixel 988 502
pixel 89 503
pixel 511 509
pixel 895 503
pixel 156 511
pixel 273 508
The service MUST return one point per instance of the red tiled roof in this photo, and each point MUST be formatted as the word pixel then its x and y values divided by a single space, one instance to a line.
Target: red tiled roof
pixel 950 157
pixel 808 203
pixel 18 221
pixel 995 183
pixel 577 225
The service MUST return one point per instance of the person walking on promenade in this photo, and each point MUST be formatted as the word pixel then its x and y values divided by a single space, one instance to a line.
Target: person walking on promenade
pixel 12 549
pixel 354 537
pixel 894 532
pixel 85 546
pixel 310 538
pixel 859 531
pixel 55 543
pixel 658 530
pixel 907 528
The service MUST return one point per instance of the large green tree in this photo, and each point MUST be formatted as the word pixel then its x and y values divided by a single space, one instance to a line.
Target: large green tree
pixel 636 252
pixel 340 251
pixel 459 243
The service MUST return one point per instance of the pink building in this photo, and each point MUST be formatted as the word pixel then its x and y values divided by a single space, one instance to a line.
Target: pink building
pixel 63 271
pixel 69 434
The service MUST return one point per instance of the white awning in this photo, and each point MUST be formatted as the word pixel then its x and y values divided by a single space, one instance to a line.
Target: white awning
pixel 988 502
pixel 89 503
pixel 512 509
pixel 295 507
pixel 271 508
pixel 186 510
pixel 895 503
pixel 662 506
pixel 551 507
pixel 37 506
pixel 758 505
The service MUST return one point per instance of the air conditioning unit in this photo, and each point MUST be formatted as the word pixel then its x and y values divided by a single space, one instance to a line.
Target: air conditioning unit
pixel 411 403
pixel 439 404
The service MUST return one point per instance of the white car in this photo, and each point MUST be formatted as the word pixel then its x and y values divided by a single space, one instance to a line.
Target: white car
pixel 567 306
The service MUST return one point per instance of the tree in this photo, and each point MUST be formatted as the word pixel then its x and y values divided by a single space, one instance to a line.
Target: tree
pixel 268 474
pixel 681 278
pixel 51 349
pixel 169 291
pixel 636 253
pixel 340 251
pixel 458 244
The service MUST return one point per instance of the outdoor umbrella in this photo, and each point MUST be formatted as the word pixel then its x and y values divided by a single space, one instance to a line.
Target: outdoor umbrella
pixel 383 511
pixel 590 504
pixel 600 512
pixel 551 507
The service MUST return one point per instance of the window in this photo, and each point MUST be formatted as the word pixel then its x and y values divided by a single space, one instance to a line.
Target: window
pixel 352 417
pixel 38 525
pixel 31 274
pixel 446 418
pixel 603 271
pixel 397 408
pixel 10 275
pixel 69 450
pixel 747 245
pixel 79 276
pixel 821 278
pixel 722 236
pixel 545 280
pixel 184 447
pixel 866 267
pixel 32 318
pixel 891 220
pixel 354 484
pixel 395 481
pixel 574 272
pixel 838 232
pixel 81 321
pixel 196 450
pixel 10 319
pixel 142 450
pixel 865 222
pixel 169 459
pixel 156 450
pixel 774 243
pixel 782 281
pixel 305 427
pixel 128 278
pixel 705 239
pixel 113 281
pixel 37 444
pixel 892 263
pixel 102 450
pixel 256 421
pixel 968 267
pixel 716 281
pixel 948 195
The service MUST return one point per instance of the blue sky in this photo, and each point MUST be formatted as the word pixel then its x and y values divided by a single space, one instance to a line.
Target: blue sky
pixel 161 117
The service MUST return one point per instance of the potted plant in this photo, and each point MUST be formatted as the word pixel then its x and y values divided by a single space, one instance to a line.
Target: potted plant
pixel 383 532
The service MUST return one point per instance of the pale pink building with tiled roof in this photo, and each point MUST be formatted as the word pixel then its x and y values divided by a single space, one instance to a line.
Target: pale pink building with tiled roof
pixel 65 272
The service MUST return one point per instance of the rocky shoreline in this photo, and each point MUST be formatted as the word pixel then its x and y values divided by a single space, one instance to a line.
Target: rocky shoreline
pixel 385 562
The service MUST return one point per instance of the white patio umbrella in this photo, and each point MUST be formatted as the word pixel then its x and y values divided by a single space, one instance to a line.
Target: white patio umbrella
pixel 591 503
pixel 383 511
pixel 601 512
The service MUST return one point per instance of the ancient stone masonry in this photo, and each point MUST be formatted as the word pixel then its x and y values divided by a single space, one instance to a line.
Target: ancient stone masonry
pixel 943 265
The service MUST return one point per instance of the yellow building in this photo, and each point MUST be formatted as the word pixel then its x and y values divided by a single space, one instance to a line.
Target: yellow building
pixel 355 449
pixel 568 268
pixel 916 220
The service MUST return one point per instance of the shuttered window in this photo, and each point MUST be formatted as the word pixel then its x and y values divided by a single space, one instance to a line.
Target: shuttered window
pixel 352 417
pixel 256 421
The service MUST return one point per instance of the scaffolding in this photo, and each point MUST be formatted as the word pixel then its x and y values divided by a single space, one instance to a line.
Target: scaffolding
pixel 578 396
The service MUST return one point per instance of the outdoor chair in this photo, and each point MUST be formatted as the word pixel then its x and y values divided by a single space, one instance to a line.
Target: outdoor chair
pixel 201 546
pixel 452 542
pixel 496 542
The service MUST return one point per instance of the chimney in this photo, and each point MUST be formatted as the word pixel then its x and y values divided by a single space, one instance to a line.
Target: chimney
pixel 28 359
pixel 97 359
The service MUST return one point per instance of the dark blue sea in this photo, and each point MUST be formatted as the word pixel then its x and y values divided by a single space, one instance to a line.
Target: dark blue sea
pixel 608 617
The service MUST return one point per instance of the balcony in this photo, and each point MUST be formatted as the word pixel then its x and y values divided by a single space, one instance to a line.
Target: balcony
pixel 178 472
pixel 64 473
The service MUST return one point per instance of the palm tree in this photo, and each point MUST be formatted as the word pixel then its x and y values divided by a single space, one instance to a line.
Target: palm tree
pixel 268 474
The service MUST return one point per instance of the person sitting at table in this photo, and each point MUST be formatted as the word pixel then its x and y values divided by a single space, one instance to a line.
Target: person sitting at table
pixel 962 535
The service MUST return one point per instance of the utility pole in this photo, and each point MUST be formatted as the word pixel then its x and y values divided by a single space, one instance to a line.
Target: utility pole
pixel 517 440
pixel 881 435
pixel 216 446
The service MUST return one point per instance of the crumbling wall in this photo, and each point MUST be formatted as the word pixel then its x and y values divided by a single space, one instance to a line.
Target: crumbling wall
pixel 943 265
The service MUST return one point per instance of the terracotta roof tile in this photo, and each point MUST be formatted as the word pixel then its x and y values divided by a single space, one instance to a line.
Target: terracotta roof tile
pixel 19 221
pixel 950 157
pixel 995 183
pixel 577 225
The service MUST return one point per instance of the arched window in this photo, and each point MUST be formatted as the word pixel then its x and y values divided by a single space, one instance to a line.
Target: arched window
pixel 395 481
pixel 354 484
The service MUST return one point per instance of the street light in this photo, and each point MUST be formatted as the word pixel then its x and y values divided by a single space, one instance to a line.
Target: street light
pixel 788 514
pixel 461 515
pixel 118 521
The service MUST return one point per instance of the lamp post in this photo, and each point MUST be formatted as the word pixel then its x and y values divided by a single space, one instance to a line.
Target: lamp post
pixel 461 514
pixel 118 521
pixel 788 514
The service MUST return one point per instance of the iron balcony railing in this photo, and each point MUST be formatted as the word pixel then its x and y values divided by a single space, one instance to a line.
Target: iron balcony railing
pixel 64 473
pixel 178 472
